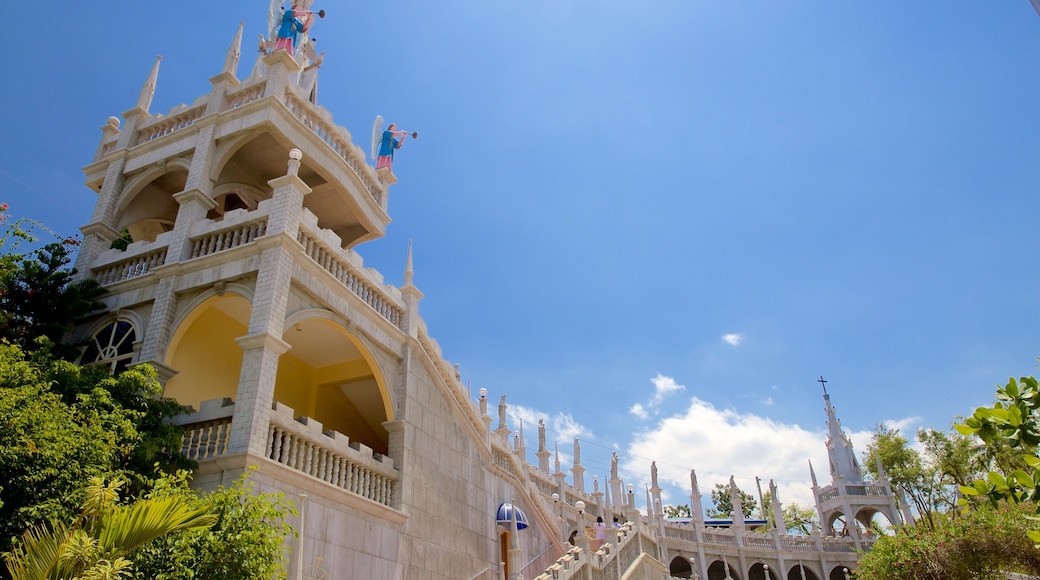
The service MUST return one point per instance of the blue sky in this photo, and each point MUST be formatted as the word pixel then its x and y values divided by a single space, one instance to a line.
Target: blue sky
pixel 654 224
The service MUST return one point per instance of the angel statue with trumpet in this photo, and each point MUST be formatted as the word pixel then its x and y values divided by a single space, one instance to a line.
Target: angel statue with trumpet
pixel 387 141
pixel 287 27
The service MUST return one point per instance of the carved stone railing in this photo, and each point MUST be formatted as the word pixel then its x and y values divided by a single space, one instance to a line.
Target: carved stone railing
pixel 719 539
pixel 207 431
pixel 685 533
pixel 131 267
pixel 166 125
pixel 228 237
pixel 340 143
pixel 330 456
pixel 759 542
pixel 570 565
pixel 837 545
pixel 873 490
pixel 107 148
pixel 796 544
pixel 244 96
pixel 335 261
pixel 828 494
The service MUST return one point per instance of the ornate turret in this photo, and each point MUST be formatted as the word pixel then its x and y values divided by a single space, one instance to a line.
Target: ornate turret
pixel 849 505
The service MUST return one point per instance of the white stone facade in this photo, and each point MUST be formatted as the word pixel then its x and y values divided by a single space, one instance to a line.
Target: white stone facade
pixel 244 290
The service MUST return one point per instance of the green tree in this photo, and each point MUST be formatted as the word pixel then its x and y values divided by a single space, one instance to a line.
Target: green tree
pixel 246 543
pixel 677 511
pixel 61 424
pixel 930 479
pixel 1011 424
pixel 983 544
pixel 40 298
pixel 723 502
pixel 97 545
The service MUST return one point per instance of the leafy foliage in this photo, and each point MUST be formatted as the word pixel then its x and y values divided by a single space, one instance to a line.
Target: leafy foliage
pixel 723 502
pixel 930 479
pixel 97 544
pixel 972 547
pixel 40 298
pixel 247 542
pixel 677 511
pixel 1013 422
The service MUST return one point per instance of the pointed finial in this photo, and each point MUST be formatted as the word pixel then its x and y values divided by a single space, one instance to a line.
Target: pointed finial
pixel 144 100
pixel 556 451
pixel 812 474
pixel 408 272
pixel 234 51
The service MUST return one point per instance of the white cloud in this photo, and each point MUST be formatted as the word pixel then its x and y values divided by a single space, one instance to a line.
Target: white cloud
pixel 662 386
pixel 719 443
pixel 733 338
pixel 559 427
pixel 768 402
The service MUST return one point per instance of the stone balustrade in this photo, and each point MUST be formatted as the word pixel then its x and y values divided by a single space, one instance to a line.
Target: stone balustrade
pixel 207 431
pixel 338 139
pixel 245 95
pixel 302 444
pixel 875 490
pixel 345 266
pixel 161 126
pixel 139 258
pixel 238 228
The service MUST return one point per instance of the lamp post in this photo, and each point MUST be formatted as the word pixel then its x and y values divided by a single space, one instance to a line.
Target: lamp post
pixel 846 572
pixel 693 567
pixel 765 569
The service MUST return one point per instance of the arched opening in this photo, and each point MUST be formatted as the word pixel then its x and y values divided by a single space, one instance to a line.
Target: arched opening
pixel 838 525
pixel 229 197
pixel 250 163
pixel 680 567
pixel 503 547
pixel 152 210
pixel 762 571
pixel 874 523
pixel 204 352
pixel 719 571
pixel 840 573
pixel 800 572
pixel 573 538
pixel 329 376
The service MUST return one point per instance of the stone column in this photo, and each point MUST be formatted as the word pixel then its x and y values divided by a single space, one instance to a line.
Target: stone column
pixel 263 345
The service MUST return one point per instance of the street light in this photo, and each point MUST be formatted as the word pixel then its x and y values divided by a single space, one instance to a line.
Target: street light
pixel 846 572
pixel 693 567
pixel 765 569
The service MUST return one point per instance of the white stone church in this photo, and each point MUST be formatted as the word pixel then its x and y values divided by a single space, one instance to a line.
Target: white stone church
pixel 244 287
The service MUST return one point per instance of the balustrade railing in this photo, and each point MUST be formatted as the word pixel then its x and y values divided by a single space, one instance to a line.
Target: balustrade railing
pixel 873 490
pixel 165 126
pixel 244 96
pixel 759 542
pixel 130 268
pixel 228 238
pixel 206 440
pixel 797 544
pixel 719 539
pixel 339 143
pixel 829 494
pixel 343 271
pixel 298 453
pixel 330 456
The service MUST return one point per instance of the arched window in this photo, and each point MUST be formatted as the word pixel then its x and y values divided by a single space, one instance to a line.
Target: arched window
pixel 113 345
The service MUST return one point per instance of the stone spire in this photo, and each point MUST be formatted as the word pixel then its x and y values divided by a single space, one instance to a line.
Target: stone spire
pixel 234 52
pixel 408 271
pixel 577 470
pixel 543 452
pixel 696 506
pixel 839 449
pixel 144 100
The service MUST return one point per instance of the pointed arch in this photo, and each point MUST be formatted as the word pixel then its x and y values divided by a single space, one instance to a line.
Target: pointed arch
pixel 330 375
pixel 203 349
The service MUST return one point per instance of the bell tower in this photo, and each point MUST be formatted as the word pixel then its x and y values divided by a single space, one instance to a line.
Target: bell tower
pixel 849 497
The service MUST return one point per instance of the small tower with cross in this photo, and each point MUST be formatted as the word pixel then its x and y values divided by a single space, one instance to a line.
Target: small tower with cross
pixel 850 498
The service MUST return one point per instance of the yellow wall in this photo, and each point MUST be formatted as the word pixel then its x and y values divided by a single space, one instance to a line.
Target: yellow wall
pixel 207 358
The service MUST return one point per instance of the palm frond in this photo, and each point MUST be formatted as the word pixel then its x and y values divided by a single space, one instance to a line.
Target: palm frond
pixel 38 557
pixel 124 529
